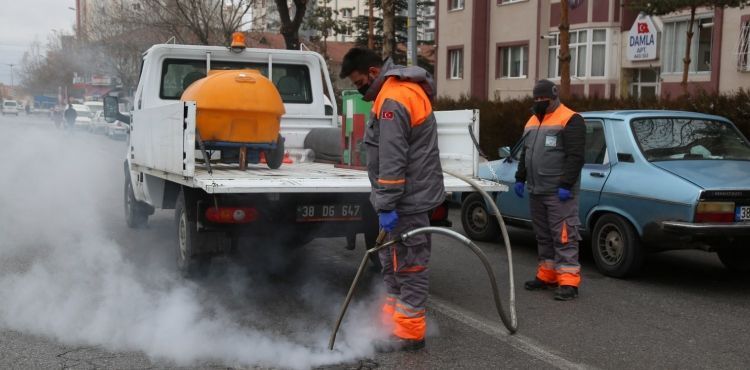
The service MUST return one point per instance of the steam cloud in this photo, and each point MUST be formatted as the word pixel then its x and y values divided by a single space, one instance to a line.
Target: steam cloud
pixel 62 275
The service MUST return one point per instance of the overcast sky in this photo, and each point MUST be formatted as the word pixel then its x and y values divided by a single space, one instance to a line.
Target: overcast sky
pixel 23 20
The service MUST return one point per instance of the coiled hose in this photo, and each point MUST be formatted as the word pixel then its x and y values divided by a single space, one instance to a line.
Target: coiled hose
pixel 511 323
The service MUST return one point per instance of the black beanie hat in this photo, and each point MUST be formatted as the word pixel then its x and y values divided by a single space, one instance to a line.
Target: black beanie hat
pixel 545 89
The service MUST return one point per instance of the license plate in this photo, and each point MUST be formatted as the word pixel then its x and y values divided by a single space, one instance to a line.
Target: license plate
pixel 328 212
pixel 742 213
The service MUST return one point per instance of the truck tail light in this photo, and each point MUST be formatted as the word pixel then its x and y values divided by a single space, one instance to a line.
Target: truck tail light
pixel 231 215
pixel 714 212
pixel 440 213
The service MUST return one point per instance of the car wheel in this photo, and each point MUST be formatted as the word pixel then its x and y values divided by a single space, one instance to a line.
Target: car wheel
pixel 136 214
pixel 616 247
pixel 478 223
pixel 190 263
pixel 735 257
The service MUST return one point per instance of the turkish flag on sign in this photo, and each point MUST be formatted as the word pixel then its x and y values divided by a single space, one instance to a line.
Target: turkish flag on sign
pixel 642 27
pixel 387 115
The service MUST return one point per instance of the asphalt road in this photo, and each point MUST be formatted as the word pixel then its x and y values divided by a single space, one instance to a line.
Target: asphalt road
pixel 78 289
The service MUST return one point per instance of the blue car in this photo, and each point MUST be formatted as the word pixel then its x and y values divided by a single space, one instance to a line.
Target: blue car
pixel 652 181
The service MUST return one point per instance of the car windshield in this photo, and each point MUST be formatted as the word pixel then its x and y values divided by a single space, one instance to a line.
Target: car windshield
pixel 666 139
pixel 10 104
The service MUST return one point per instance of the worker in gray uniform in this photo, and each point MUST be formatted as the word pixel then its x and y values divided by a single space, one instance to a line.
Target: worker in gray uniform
pixel 403 163
pixel 550 168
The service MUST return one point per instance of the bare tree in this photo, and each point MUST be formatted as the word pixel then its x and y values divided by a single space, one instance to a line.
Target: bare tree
pixel 389 14
pixel 290 26
pixel 564 50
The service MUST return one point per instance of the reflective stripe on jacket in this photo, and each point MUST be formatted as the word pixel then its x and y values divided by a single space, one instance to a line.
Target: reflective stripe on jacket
pixel 403 161
pixel 545 152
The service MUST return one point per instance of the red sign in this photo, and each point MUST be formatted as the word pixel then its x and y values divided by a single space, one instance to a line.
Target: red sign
pixel 643 27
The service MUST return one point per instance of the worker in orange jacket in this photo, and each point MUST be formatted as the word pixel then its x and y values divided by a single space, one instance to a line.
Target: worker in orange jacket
pixel 403 163
pixel 550 167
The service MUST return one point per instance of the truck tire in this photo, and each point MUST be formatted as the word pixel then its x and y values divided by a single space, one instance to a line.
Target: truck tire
pixel 478 223
pixel 616 247
pixel 136 212
pixel 190 263
pixel 275 157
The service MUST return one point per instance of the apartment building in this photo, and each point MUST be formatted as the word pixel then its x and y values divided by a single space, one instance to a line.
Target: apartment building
pixel 265 17
pixel 497 49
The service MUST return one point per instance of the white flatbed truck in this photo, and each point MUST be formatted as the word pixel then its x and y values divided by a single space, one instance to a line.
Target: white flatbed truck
pixel 216 204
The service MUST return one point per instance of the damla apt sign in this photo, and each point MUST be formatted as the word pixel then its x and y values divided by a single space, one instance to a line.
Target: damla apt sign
pixel 642 39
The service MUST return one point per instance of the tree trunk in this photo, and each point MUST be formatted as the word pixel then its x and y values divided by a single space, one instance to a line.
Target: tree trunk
pixel 388 28
pixel 564 51
pixel 289 26
pixel 686 60
pixel 370 35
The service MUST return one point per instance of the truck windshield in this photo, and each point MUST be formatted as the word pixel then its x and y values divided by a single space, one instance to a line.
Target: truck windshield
pixel 292 80
pixel 667 139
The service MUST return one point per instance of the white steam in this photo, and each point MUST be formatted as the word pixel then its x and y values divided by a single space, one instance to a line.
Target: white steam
pixel 62 275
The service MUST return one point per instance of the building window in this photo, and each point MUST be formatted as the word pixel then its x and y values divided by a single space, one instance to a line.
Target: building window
pixel 455 4
pixel 346 12
pixel 513 61
pixel 509 1
pixel 743 47
pixel 675 38
pixel 588 54
pixel 645 83
pixel 456 64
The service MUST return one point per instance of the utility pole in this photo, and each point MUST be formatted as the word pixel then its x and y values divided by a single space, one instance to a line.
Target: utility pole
pixel 411 43
pixel 11 75
pixel 370 36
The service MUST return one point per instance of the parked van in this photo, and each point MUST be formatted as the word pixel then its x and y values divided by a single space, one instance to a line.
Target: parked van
pixel 10 107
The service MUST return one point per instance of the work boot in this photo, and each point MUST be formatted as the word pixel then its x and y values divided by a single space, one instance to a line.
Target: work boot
pixel 537 284
pixel 566 292
pixel 394 344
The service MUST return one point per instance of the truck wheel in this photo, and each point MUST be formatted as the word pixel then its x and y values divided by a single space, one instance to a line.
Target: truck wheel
pixel 190 263
pixel 616 247
pixel 735 257
pixel 478 223
pixel 275 157
pixel 136 214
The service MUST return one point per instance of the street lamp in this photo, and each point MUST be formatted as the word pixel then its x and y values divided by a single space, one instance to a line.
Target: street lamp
pixel 11 74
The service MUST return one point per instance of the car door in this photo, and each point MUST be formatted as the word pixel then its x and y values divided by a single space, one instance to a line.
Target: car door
pixel 596 167
pixel 511 205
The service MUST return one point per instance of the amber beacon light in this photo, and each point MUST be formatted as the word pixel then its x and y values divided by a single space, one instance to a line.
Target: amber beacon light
pixel 238 42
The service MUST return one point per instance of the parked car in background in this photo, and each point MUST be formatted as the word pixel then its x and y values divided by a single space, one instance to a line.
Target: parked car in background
pixel 652 181
pixel 97 120
pixel 116 130
pixel 83 121
pixel 10 107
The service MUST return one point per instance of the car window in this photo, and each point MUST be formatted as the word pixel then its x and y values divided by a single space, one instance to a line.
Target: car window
pixel 596 145
pixel 292 80
pixel 665 139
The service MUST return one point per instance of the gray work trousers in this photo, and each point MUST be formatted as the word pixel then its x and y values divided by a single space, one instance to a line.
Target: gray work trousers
pixel 556 226
pixel 405 270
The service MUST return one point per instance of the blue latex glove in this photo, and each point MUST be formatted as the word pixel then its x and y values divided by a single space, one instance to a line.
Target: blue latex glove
pixel 519 188
pixel 564 194
pixel 388 220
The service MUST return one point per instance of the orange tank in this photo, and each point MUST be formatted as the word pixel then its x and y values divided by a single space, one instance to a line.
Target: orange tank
pixel 236 106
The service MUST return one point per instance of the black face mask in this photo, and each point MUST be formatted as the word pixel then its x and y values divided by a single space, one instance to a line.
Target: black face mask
pixel 540 107
pixel 363 89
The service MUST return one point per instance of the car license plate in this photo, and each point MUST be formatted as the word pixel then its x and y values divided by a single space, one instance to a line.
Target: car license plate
pixel 329 212
pixel 742 213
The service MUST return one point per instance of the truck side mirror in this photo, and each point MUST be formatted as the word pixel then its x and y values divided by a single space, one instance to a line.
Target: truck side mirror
pixel 111 109
pixel 503 152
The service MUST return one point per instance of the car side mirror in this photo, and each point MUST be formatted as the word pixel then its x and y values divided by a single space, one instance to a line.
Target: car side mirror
pixel 503 152
pixel 111 109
